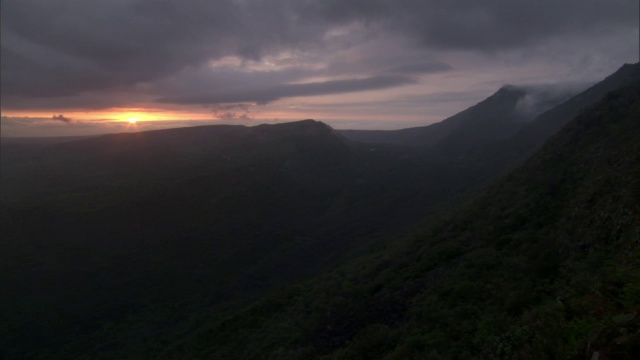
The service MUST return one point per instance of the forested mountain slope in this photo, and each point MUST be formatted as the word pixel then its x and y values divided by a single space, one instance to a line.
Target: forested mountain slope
pixel 130 244
pixel 532 135
pixel 481 160
pixel 97 230
pixel 494 136
pixel 545 265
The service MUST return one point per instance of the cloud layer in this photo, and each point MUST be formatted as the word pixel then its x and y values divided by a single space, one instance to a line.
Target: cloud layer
pixel 100 54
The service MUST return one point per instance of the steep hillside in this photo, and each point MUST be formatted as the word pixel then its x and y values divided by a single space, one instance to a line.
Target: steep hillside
pixel 480 161
pixel 501 131
pixel 534 134
pixel 544 265
pixel 105 227
pixel 549 122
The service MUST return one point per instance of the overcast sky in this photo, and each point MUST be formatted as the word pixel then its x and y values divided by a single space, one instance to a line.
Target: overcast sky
pixel 75 66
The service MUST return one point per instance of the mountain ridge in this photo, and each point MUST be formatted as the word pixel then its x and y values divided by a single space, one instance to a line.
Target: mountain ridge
pixel 499 110
pixel 548 122
pixel 139 229
pixel 530 269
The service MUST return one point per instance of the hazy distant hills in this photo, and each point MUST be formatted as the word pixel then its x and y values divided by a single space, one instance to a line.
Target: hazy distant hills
pixel 112 160
pixel 133 234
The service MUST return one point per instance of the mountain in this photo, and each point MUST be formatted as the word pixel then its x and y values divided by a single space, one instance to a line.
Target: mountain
pixel 497 117
pixel 130 244
pixel 112 160
pixel 503 129
pixel 544 265
pixel 106 227
pixel 534 134
pixel 125 225
pixel 480 161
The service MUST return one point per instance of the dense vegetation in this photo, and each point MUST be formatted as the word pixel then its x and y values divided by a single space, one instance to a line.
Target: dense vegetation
pixel 106 228
pixel 545 265
pixel 156 244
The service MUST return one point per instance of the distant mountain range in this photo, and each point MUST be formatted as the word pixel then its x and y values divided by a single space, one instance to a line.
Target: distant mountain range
pixel 117 245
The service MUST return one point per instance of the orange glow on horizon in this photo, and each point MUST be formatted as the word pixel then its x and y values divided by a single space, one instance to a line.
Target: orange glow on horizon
pixel 148 115
pixel 114 114
pixel 141 118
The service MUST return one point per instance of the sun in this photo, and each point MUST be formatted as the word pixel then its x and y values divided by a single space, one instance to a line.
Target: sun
pixel 133 120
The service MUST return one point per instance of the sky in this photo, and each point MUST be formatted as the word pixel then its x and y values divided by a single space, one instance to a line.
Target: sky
pixel 77 67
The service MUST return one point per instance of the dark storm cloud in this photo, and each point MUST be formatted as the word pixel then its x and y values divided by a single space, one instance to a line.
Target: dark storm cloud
pixel 269 94
pixel 68 47
pixel 483 25
pixel 86 101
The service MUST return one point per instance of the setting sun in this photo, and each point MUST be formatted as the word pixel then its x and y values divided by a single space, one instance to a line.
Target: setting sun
pixel 133 120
